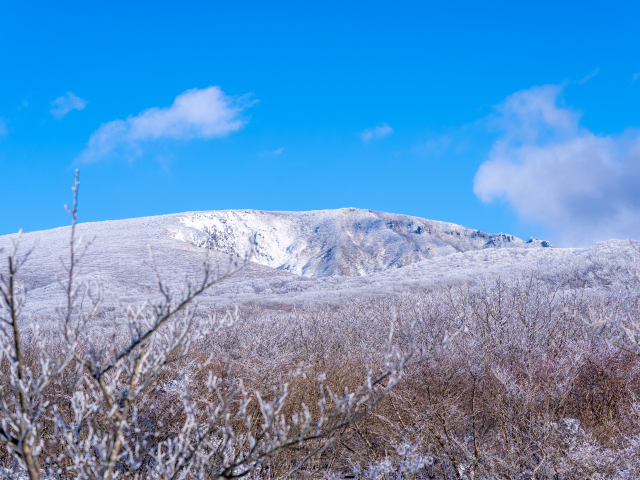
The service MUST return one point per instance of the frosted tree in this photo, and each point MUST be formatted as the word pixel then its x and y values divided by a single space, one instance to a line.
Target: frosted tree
pixel 121 407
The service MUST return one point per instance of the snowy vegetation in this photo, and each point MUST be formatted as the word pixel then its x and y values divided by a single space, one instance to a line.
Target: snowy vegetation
pixel 511 373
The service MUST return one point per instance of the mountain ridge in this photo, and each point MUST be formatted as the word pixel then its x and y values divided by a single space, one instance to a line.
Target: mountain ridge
pixel 346 241
pixel 119 258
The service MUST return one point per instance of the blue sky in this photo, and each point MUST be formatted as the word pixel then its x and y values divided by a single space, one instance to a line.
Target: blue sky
pixel 512 117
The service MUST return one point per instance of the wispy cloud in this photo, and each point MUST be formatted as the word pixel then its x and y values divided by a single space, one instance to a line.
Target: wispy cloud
pixel 589 76
pixel 635 77
pixel 196 113
pixel 64 104
pixel 550 169
pixel 435 145
pixel 376 133
pixel 3 127
pixel 273 153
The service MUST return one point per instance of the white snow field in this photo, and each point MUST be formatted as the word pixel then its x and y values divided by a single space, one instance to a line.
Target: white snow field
pixel 302 257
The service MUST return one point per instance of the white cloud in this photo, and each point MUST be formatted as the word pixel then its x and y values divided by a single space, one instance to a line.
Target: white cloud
pixel 635 77
pixel 195 113
pixel 583 186
pixel 64 104
pixel 273 153
pixel 375 133
pixel 435 146
pixel 589 76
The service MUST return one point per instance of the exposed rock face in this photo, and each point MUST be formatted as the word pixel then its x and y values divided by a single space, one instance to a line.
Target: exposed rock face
pixel 348 241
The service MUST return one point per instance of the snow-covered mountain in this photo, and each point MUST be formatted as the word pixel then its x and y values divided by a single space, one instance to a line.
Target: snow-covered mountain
pixel 301 257
pixel 348 241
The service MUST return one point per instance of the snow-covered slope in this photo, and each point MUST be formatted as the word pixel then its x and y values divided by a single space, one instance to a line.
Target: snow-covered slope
pixel 347 241
pixel 322 256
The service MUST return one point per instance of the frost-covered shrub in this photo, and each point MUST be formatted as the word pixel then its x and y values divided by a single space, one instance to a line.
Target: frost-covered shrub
pixel 161 396
pixel 539 379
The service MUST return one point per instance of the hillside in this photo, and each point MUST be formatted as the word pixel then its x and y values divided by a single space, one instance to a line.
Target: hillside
pixel 302 257
pixel 348 241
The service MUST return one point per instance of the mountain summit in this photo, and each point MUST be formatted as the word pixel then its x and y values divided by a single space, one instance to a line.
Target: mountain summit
pixel 347 241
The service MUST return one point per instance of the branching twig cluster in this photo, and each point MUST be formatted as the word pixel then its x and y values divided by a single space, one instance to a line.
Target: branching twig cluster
pixel 101 423
pixel 489 380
